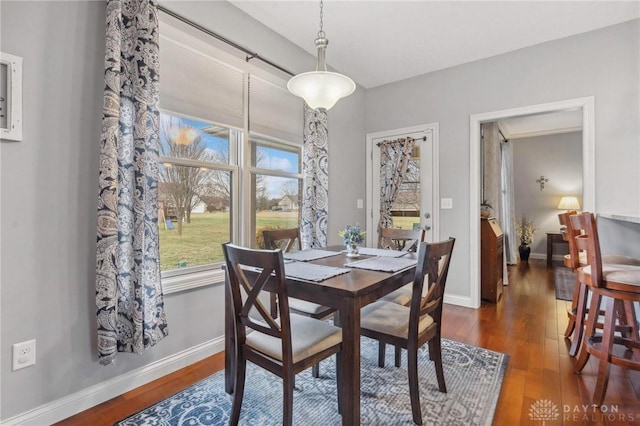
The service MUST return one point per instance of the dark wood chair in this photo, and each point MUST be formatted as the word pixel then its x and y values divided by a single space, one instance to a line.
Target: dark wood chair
pixel 285 346
pixel 288 240
pixel 575 259
pixel 410 327
pixel 403 240
pixel 400 239
pixel 621 285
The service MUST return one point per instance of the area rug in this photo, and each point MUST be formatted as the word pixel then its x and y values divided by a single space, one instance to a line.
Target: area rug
pixel 565 280
pixel 473 376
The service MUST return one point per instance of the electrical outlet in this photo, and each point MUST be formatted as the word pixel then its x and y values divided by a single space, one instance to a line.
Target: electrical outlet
pixel 24 354
pixel 446 203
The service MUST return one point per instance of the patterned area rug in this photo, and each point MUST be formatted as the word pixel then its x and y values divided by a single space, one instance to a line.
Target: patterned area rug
pixel 565 280
pixel 473 376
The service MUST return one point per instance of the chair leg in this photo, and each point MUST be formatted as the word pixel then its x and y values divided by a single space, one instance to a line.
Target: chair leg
pixel 608 329
pixel 339 380
pixel 287 400
pixel 414 392
pixel 437 360
pixel 398 356
pixel 382 349
pixel 315 370
pixel 241 370
pixel 574 309
pixel 590 331
pixel 581 314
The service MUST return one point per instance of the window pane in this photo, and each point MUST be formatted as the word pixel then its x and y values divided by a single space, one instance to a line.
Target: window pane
pixel 192 139
pixel 194 215
pixel 406 207
pixel 277 204
pixel 279 158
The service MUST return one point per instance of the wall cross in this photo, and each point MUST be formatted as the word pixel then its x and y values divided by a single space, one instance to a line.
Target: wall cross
pixel 542 180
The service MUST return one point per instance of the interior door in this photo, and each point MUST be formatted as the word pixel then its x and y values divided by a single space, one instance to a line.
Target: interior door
pixel 414 204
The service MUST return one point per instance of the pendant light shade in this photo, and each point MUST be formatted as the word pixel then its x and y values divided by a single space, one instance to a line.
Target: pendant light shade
pixel 321 89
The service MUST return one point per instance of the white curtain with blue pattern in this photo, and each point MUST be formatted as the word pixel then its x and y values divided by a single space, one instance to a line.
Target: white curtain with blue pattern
pixel 315 181
pixel 130 305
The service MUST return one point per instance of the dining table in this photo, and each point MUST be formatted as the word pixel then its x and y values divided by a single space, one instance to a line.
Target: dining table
pixel 348 293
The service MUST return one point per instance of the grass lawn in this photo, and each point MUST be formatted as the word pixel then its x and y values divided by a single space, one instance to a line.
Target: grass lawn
pixel 202 239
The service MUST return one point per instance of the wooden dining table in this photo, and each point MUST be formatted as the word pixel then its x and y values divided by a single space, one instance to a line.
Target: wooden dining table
pixel 348 293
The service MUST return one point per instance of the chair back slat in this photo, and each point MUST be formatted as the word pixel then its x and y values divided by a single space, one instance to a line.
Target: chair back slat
pixel 249 271
pixel 284 239
pixel 433 266
pixel 587 239
pixel 400 239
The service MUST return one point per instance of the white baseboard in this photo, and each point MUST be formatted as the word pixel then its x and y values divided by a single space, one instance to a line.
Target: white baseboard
pixel 458 300
pixel 79 401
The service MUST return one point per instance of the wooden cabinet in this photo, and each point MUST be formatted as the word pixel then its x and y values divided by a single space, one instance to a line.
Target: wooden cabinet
pixel 492 240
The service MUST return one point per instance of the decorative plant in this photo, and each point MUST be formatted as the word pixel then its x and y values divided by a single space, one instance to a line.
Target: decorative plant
pixel 525 230
pixel 352 235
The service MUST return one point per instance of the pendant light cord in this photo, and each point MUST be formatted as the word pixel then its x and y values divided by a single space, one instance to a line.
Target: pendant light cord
pixel 321 33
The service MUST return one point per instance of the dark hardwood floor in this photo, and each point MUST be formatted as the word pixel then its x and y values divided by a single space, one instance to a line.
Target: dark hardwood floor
pixel 527 323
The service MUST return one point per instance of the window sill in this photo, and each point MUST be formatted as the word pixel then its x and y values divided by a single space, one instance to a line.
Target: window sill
pixel 184 282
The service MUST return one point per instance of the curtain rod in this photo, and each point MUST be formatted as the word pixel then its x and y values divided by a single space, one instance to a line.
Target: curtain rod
pixel 249 53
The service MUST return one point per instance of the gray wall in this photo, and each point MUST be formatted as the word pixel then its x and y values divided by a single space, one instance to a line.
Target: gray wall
pixel 49 193
pixel 558 158
pixel 603 63
pixel 48 181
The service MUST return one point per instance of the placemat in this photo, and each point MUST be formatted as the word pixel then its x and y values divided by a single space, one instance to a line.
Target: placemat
pixel 384 264
pixel 311 271
pixel 311 254
pixel 368 251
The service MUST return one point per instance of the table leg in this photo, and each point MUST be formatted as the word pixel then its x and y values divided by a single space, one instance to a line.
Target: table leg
pixel 350 358
pixel 549 250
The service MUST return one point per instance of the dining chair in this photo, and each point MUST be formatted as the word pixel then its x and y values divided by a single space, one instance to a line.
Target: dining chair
pixel 620 285
pixel 575 259
pixel 284 346
pixel 400 239
pixel 410 327
pixel 287 240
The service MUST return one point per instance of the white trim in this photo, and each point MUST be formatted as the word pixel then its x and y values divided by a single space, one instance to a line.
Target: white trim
pixel 587 104
pixel 13 105
pixel 178 283
pixel 82 400
pixel 435 196
pixel 463 301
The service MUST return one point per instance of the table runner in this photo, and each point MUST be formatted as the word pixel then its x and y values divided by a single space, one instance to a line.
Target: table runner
pixel 384 264
pixel 311 271
pixel 311 254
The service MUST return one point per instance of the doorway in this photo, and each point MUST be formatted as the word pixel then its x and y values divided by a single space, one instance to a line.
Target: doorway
pixel 586 105
pixel 416 204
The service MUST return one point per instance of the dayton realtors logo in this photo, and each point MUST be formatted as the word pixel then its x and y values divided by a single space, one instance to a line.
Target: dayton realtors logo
pixel 545 410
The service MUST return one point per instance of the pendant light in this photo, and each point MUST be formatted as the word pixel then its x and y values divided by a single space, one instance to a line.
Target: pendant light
pixel 321 89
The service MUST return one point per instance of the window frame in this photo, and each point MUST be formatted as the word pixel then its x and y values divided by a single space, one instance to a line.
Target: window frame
pixel 180 279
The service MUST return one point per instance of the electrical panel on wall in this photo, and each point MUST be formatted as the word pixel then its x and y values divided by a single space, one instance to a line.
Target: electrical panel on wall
pixel 10 97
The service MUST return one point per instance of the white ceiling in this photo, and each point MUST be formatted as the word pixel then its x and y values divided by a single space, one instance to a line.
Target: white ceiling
pixel 379 42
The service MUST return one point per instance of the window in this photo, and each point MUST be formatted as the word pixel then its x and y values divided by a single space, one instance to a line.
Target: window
pixel 194 192
pixel 276 186
pixel 406 207
pixel 231 152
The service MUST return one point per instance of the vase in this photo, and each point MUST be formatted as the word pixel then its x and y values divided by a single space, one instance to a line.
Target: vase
pixel 352 250
pixel 524 252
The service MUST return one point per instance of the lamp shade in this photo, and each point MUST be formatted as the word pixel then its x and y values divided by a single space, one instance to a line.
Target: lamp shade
pixel 321 89
pixel 569 203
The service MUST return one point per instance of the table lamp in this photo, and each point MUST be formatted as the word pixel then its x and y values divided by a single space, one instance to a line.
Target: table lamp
pixel 569 203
